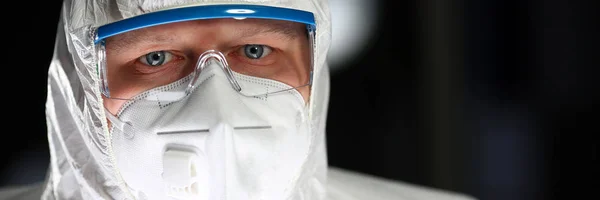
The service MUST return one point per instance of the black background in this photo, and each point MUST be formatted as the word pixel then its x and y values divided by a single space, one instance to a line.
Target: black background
pixel 495 98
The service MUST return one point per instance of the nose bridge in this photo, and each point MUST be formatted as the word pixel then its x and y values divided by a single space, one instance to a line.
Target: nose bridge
pixel 210 56
pixel 213 57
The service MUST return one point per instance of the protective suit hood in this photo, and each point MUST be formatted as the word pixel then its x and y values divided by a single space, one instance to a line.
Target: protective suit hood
pixel 81 164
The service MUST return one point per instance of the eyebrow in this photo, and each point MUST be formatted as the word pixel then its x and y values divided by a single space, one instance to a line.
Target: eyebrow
pixel 126 39
pixel 289 31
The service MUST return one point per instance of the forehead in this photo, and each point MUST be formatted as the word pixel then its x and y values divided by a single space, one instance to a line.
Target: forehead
pixel 241 28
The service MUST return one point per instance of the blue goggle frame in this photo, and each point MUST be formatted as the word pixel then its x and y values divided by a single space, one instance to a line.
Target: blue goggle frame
pixel 204 12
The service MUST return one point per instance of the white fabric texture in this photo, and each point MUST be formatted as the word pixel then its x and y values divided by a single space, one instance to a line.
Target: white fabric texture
pixel 341 185
pixel 83 162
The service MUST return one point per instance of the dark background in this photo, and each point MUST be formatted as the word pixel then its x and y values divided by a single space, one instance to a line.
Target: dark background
pixel 495 98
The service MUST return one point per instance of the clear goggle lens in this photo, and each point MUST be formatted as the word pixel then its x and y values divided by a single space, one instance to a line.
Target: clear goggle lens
pixel 164 62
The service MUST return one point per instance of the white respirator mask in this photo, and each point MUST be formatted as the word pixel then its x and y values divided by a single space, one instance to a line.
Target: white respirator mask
pixel 214 144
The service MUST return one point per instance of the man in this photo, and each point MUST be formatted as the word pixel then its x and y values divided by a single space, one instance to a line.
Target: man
pixel 196 100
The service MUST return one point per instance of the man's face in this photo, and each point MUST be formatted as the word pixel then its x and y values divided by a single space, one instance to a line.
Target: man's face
pixel 150 57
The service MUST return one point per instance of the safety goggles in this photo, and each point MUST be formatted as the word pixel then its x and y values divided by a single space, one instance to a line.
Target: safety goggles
pixel 169 49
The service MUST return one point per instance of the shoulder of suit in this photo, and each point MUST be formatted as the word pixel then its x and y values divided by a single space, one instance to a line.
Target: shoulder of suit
pixel 349 185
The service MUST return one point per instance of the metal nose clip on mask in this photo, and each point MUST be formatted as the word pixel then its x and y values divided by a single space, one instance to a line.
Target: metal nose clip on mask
pixel 215 143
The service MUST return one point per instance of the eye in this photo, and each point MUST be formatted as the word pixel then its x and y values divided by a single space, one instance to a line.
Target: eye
pixel 256 51
pixel 156 58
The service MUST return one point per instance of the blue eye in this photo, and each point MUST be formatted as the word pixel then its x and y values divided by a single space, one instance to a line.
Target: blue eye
pixel 256 51
pixel 156 58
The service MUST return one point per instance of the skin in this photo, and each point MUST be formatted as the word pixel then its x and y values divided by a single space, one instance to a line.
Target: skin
pixel 288 60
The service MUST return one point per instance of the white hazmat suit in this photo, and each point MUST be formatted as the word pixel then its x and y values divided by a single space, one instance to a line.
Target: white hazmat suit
pixel 84 161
